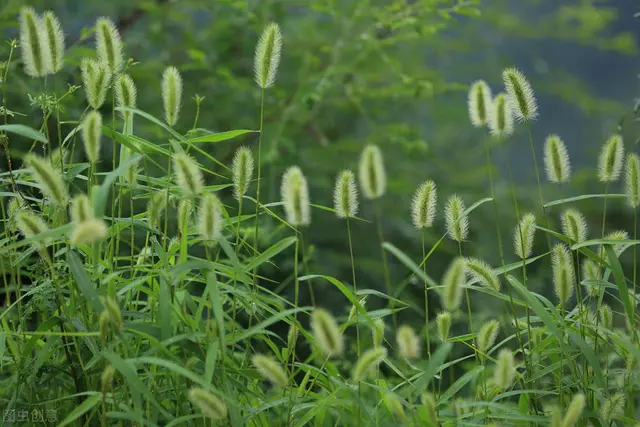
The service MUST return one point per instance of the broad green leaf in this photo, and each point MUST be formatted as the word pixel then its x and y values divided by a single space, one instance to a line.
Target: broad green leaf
pixel 83 408
pixel 25 131
pixel 270 253
pixel 82 280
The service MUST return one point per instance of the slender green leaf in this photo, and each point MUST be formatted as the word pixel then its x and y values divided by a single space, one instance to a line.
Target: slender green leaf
pixel 25 131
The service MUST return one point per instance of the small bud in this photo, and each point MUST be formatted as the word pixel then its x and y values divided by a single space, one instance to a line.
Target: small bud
pixel 611 159
pixel 188 175
pixel 353 312
pixel 482 272
pixel 155 208
pixel 563 274
pixel 210 404
pixel 267 56
pixel 88 232
pixel 632 180
pixel 377 332
pixel 443 321
pixel 326 331
pixel 429 403
pixel 95 79
pixel 54 41
pixel 453 281
pixel 91 133
pixel 171 94
pixel 456 219
pixel 612 408
pixel 479 103
pixel 270 370
pixel 574 411
pixel 35 54
pixel 126 94
pixel 423 205
pixel 373 178
pixel 242 171
pixel 606 316
pixel 520 95
pixel 505 371
pixel 106 379
pixel 295 197
pixel 109 44
pixel 49 179
pixel 574 225
pixel 210 218
pixel 487 335
pixel 523 236
pixel 345 195
pixel 368 362
pixel 31 225
pixel 556 160
pixel 501 118
pixel 408 343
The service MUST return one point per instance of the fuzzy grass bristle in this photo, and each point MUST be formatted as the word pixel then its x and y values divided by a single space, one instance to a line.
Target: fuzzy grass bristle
pixel 456 219
pixel 345 195
pixel 49 179
pixel 505 370
pixel 210 218
pixel 54 42
pixel 482 272
pixel 35 54
pixel 89 231
pixel 270 370
pixel 632 180
pixel 523 236
pixel 109 45
pixel 91 135
pixel 501 117
pixel 95 79
pixel 267 56
pixel 423 205
pixel 171 94
pixel 574 225
pixel 294 191
pixel 242 172
pixel 479 102
pixel 211 405
pixel 368 363
pixel 563 272
pixel 408 342
pixel 611 159
pixel 556 160
pixel 453 282
pixel 187 174
pixel 520 95
pixel 325 330
pixel 371 173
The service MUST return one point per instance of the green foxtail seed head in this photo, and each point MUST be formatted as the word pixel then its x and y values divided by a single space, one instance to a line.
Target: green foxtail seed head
pixel 590 271
pixel 267 56
pixel 292 336
pixel 631 364
pixel 14 206
pixel 49 179
pixel 556 160
pixel 295 197
pixel 187 174
pixel 111 306
pixel 368 362
pixel 326 331
pixel 606 316
pixel 443 322
pixel 126 94
pixel 520 95
pixel 429 403
pixel 377 332
pixel 620 235
pixel 270 370
pixel 501 117
pixel 423 205
pixel 106 379
pixel 574 225
pixel 91 133
pixel 574 411
pixel 394 406
pixel 612 408
pixel 479 103
pixel 408 342
pixel 487 335
pixel 103 323
pixel 109 44
pixel 345 195
pixel 95 79
pixel 563 274
pixel 35 54
pixel 155 208
pixel 523 236
pixel 632 180
pixel 456 219
pixel 482 272
pixel 81 209
pixel 184 214
pixel 210 404
pixel 454 281
pixel 371 172
pixel 171 94
pixel 89 231
pixel 210 218
pixel 54 41
pixel 242 171
pixel 31 225
pixel 505 370
pixel 354 308
pixel 611 159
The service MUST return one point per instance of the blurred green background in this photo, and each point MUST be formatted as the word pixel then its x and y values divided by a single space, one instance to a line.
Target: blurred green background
pixel 394 73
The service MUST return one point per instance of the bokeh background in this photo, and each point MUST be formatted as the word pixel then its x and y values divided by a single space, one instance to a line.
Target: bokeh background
pixel 390 72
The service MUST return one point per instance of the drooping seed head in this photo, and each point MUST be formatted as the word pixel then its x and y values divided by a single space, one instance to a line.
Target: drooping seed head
pixel 109 44
pixel 184 215
pixel 371 172
pixel 501 117
pixel 394 406
pixel 618 235
pixel 112 308
pixel 377 332
pixel 368 362
pixel 35 53
pixel 95 79
pixel 106 379
pixel 210 218
pixel 31 225
pixel 611 159
pixel 126 94
pixel 487 335
pixel 171 94
pixel 408 342
pixel 453 281
pixel 187 174
pixel 429 403
pixel 520 95
pixel 267 56
pixel 155 208
pixel 242 171
pixel 211 405
pixel 81 209
pixel 632 180
pixel 295 197
pixel 91 134
pixel 523 236
pixel 505 370
pixel 456 219
pixel 556 160
pixel 574 411
pixel 88 232
pixel 423 205
pixel 612 408
pixel 54 41
pixel 482 272
pixel 345 195
pixel 563 274
pixel 479 103
pixel 606 316
pixel 292 336
pixel 443 322
pixel 49 179
pixel 270 370
pixel 326 331
pixel 574 225
pixel 353 312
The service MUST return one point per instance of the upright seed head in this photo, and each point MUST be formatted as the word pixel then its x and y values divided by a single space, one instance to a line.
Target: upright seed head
pixel 505 370
pixel 394 406
pixel 188 175
pixel 49 179
pixel 184 214
pixel 210 218
pixel 408 342
pixel 271 370
pixel 89 231
pixel 112 308
pixel 109 44
pixel 500 117
pixel 354 308
pixel 31 225
pixel 556 160
pixel 620 235
pixel 563 274
pixel 95 79
pixel 482 272
pixel 591 271
pixel 443 321
pixel 574 411
pixel 242 171
pixel 523 236
pixel 91 133
pixel 574 225
pixel 210 404
pixel 520 95
pixel 453 281
pixel 487 335
pixel 429 403
pixel 35 54
pixel 373 178
pixel 106 379
pixel 345 195
pixel 126 94
pixel 456 219
pixel 155 208
pixel 81 209
pixel 611 159
pixel 171 94
pixel 292 336
pixel 267 56
pixel 423 205
pixel 295 197
pixel 606 316
pixel 612 408
pixel 326 331
pixel 632 180
pixel 54 40
pixel 368 362
pixel 479 103
pixel 377 332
